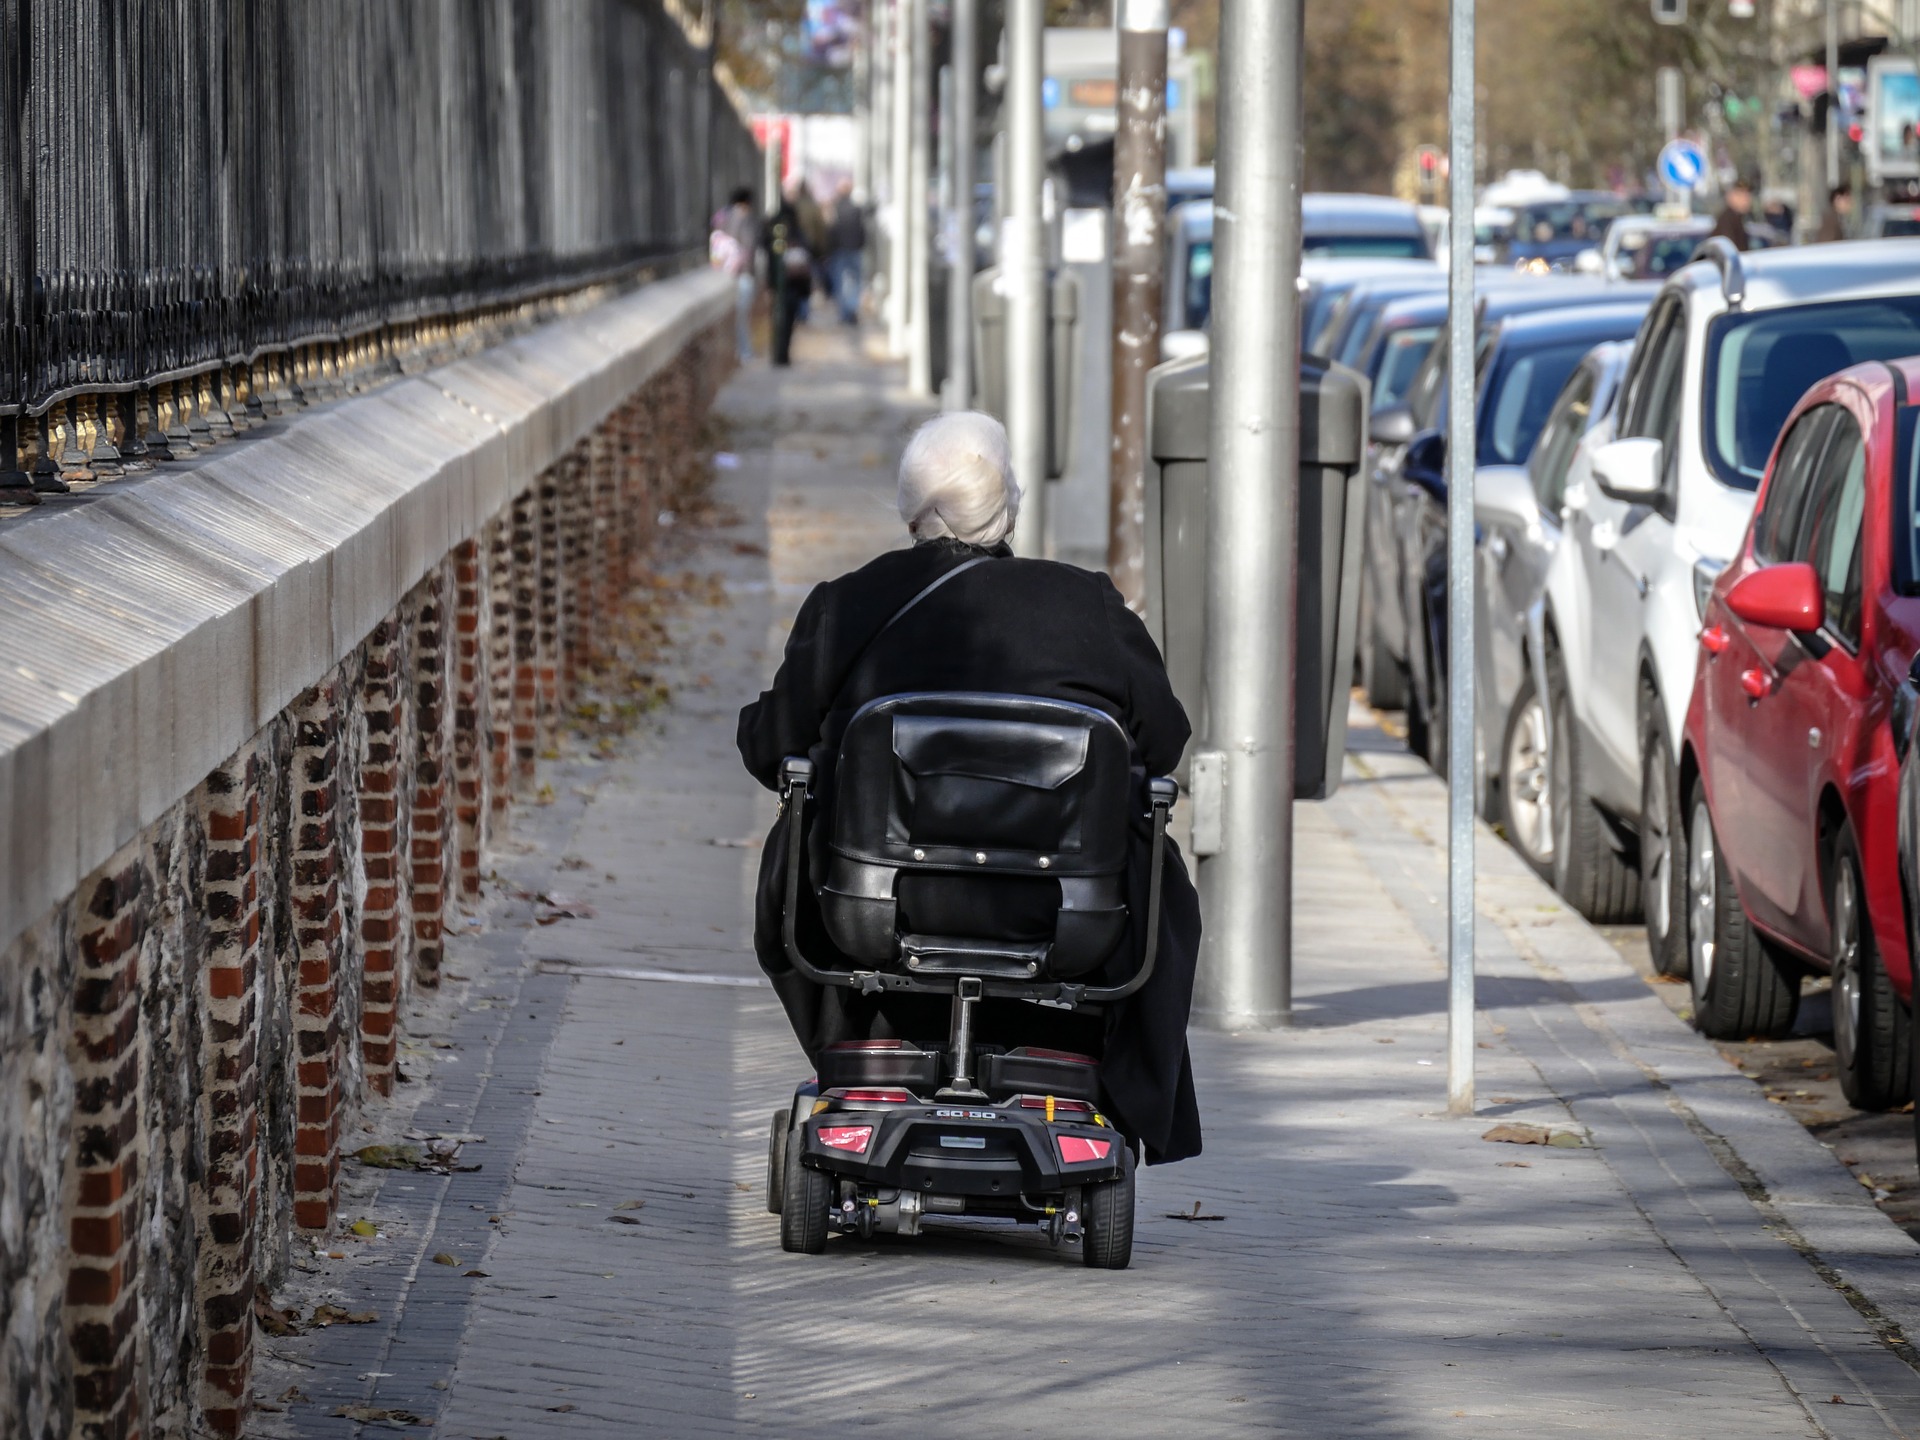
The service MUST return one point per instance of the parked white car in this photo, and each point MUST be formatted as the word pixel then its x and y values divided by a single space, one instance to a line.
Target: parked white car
pixel 1656 500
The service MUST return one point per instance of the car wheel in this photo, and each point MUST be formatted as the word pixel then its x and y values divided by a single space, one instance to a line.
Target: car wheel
pixel 1381 676
pixel 777 1159
pixel 1870 1031
pixel 1526 780
pixel 1663 851
pixel 1106 1219
pixel 1592 875
pixel 1740 988
pixel 808 1195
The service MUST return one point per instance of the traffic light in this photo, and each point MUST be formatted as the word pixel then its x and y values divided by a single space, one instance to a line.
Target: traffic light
pixel 1670 12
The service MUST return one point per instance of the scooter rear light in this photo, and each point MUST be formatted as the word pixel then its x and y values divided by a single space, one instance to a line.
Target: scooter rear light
pixel 1078 1150
pixel 852 1138
pixel 1064 1107
pixel 866 1045
pixel 873 1097
pixel 1034 1053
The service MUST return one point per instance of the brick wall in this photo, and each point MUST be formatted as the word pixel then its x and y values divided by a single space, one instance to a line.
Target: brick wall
pixel 184 1040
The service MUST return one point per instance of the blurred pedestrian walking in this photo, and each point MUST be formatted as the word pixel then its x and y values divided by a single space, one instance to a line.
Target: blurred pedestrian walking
pixel 1833 226
pixel 813 229
pixel 789 273
pixel 846 244
pixel 730 250
pixel 1732 220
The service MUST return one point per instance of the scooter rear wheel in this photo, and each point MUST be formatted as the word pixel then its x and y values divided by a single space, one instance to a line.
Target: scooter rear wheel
pixel 806 1196
pixel 1106 1219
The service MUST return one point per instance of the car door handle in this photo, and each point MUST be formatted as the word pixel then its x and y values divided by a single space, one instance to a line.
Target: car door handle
pixel 1756 683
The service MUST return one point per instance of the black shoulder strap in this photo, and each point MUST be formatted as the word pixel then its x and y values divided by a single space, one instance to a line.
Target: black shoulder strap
pixel 926 590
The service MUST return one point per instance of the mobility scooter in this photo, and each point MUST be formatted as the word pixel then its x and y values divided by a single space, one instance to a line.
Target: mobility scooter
pixel 957 819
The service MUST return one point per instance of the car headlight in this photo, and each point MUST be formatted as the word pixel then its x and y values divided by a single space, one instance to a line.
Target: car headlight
pixel 1705 572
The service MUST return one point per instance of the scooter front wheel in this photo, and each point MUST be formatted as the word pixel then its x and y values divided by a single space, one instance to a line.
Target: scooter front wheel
pixel 807 1195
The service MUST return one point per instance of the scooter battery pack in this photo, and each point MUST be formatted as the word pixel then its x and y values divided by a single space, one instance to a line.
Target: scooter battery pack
pixel 853 1063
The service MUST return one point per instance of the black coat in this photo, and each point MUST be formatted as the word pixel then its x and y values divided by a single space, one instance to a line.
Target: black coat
pixel 1023 627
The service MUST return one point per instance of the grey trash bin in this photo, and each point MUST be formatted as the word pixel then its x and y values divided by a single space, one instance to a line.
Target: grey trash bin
pixel 990 356
pixel 1332 442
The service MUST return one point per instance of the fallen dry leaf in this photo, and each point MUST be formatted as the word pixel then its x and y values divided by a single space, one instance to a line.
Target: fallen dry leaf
pixel 367 1415
pixel 631 1205
pixel 476 1275
pixel 569 1408
pixel 443 1258
pixel 1193 1214
pixel 1513 1132
pixel 624 1219
pixel 365 1229
pixel 271 1318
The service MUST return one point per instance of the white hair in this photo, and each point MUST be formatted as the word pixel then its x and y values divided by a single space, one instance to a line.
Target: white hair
pixel 956 479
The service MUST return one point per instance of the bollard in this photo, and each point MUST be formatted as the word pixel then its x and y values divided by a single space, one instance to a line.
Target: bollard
pixel 1063 367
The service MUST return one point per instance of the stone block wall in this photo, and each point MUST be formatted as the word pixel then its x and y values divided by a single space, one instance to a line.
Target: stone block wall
pixel 183 1041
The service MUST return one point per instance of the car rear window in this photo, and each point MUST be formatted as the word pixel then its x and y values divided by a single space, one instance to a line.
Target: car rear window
pixel 1906 479
pixel 1385 247
pixel 1759 364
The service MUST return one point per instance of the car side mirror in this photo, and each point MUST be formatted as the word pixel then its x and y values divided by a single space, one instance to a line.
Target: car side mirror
pixel 1183 344
pixel 1503 495
pixel 1629 470
pixel 1391 426
pixel 1425 463
pixel 1780 597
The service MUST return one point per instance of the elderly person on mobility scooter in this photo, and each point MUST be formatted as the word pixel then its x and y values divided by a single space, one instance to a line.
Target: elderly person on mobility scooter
pixel 985 944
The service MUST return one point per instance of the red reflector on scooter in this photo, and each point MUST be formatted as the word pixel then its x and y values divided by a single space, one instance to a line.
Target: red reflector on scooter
pixel 865 1045
pixel 873 1097
pixel 1033 1052
pixel 853 1138
pixel 1077 1150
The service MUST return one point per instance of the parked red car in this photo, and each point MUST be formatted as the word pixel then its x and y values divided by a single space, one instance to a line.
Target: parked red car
pixel 1791 768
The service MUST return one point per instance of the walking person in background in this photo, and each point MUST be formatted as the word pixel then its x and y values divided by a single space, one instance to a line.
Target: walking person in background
pixel 813 229
pixel 846 244
pixel 1732 220
pixel 789 274
pixel 1833 226
pixel 730 250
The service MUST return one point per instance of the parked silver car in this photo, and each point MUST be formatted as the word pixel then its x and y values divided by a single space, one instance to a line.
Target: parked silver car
pixel 1517 514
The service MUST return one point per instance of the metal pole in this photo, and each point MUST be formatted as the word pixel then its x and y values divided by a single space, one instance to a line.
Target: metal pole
pixel 880 171
pixel 1460 463
pixel 1024 273
pixel 919 241
pixel 900 152
pixel 965 145
pixel 863 86
pixel 1253 436
pixel 1139 245
pixel 1833 93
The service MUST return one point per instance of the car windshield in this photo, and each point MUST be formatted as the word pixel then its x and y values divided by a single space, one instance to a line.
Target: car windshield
pixel 1387 247
pixel 1520 398
pixel 1895 228
pixel 1661 255
pixel 1400 359
pixel 1565 220
pixel 1759 364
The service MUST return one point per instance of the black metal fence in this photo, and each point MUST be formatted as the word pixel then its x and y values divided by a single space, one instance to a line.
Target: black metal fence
pixel 187 184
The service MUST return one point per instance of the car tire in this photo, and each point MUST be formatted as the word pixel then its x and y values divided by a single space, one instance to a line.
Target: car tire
pixel 1588 870
pixel 1381 676
pixel 1526 780
pixel 1870 1030
pixel 1742 989
pixel 1663 854
pixel 1106 1219
pixel 807 1196
pixel 777 1159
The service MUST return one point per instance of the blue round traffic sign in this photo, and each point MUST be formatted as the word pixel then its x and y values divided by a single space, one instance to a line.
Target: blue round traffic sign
pixel 1682 164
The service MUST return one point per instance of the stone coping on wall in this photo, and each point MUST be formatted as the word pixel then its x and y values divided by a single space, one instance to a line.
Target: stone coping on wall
pixel 150 632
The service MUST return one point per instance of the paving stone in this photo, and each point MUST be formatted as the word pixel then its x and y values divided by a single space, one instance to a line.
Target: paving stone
pixel 1380 1270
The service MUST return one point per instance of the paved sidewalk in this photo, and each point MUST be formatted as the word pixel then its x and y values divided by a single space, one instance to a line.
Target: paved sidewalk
pixel 1377 1269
